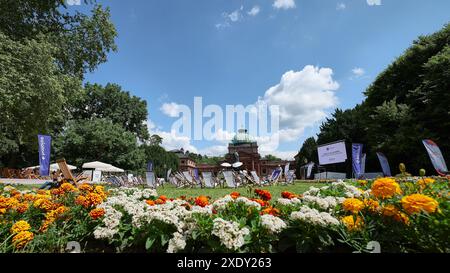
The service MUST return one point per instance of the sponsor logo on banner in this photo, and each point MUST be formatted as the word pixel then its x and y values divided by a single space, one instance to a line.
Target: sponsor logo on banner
pixel 44 143
pixel 435 155
pixel 332 153
pixel 356 159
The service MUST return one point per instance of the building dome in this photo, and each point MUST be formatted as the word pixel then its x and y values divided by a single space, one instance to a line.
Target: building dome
pixel 242 137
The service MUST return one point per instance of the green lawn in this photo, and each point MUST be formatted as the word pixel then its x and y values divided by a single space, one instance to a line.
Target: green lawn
pixel 298 187
pixel 171 191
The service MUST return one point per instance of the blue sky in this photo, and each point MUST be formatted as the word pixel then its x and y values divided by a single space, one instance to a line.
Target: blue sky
pixel 234 51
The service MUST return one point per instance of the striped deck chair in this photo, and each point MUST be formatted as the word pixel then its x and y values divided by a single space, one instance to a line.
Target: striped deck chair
pixel 208 179
pixel 229 179
pixel 274 176
pixel 256 178
pixel 290 176
pixel 62 164
pixel 190 179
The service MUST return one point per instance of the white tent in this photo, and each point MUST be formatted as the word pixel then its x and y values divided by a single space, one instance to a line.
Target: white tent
pixel 100 166
pixel 54 167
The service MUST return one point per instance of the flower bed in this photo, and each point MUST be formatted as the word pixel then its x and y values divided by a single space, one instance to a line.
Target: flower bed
pixel 401 215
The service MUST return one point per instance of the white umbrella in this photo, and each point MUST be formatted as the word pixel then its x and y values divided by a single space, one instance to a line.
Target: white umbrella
pixel 100 166
pixel 53 167
pixel 225 164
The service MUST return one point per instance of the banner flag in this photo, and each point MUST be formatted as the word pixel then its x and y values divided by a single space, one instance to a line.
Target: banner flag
pixel 309 170
pixel 384 164
pixel 356 159
pixel 332 153
pixel 363 164
pixel 286 169
pixel 435 155
pixel 44 143
pixel 150 166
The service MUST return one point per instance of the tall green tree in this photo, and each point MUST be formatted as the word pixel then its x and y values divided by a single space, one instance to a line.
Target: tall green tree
pixel 162 159
pixel 113 103
pixel 99 140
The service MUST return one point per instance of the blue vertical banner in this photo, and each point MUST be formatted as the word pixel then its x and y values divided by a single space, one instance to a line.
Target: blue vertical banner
pixel 384 164
pixel 437 159
pixel 150 166
pixel 44 143
pixel 196 174
pixel 363 164
pixel 356 159
pixel 309 170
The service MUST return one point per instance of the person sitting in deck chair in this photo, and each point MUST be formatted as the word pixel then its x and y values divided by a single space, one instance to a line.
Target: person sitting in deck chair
pixel 57 179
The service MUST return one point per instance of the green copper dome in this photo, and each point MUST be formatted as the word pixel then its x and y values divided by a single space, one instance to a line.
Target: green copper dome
pixel 242 137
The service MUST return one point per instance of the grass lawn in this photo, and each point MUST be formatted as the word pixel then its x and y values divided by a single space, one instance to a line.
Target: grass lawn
pixel 170 191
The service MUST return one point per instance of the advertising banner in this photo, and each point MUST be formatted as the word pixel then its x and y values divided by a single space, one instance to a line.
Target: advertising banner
pixel 363 164
pixel 44 143
pixel 357 159
pixel 384 164
pixel 435 155
pixel 332 153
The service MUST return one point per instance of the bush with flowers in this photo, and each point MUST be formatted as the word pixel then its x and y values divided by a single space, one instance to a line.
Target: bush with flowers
pixel 403 215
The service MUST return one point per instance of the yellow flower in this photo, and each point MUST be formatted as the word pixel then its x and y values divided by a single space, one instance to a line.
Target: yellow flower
pixel 67 187
pixel 362 182
pixel 385 188
pixel 416 203
pixel 372 205
pixel 353 205
pixel 43 204
pixel 22 238
pixel 22 207
pixel 20 226
pixel 425 181
pixel 353 224
pixel 85 187
pixel 390 210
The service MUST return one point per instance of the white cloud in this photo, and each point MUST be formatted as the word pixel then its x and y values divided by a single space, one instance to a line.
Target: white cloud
pixel 303 97
pixel 254 11
pixel 284 4
pixel 171 109
pixel 358 72
pixel 340 6
pixel 374 2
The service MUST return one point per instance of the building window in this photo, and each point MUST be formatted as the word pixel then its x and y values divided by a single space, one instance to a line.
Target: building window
pixel 182 161
pixel 264 171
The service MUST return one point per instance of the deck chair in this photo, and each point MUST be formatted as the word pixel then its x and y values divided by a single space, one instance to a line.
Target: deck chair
pixel 274 176
pixel 208 179
pixel 151 180
pixel 62 164
pixel 290 177
pixel 230 179
pixel 256 178
pixel 247 179
pixel 192 182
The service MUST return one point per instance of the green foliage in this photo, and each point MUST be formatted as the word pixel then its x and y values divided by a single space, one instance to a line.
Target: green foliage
pixel 99 139
pixel 271 158
pixel 111 102
pixel 162 159
pixel 406 103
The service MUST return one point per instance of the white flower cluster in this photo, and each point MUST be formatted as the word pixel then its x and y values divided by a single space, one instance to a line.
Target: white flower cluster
pixel 313 216
pixel 111 223
pixel 272 223
pixel 177 243
pixel 325 203
pixel 221 203
pixel 289 202
pixel 229 233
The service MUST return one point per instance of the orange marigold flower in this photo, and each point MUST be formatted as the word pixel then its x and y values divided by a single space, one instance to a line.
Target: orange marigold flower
pixel 44 204
pixel 425 181
pixel 416 203
pixel 150 202
pixel 288 195
pixel 263 194
pixel 159 201
pixel 353 205
pixel 68 187
pixel 385 188
pixel 29 197
pixel 201 201
pixel 85 187
pixel 94 199
pixel 22 207
pixel 353 223
pixel 97 213
pixel 390 210
pixel 58 191
pixel 82 201
pixel 402 217
pixel 21 239
pixel 163 197
pixel 372 205
pixel 235 194
pixel 271 210
pixel 20 226
pixel 260 201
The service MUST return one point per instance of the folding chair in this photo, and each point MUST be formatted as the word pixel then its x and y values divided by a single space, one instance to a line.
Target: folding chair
pixel 256 178
pixel 208 179
pixel 229 179
pixel 192 182
pixel 62 164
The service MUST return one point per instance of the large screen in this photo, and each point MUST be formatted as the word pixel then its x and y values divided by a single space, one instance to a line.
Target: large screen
pixel 332 153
